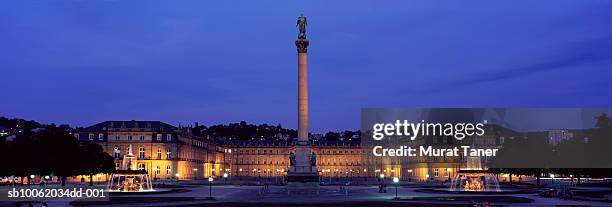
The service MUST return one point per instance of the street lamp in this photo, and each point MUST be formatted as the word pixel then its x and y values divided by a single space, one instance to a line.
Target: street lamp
pixel 225 177
pixel 240 174
pixel 210 180
pixel 552 177
pixel 396 181
pixel 276 176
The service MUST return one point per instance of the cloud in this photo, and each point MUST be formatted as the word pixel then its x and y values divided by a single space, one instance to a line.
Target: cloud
pixel 576 54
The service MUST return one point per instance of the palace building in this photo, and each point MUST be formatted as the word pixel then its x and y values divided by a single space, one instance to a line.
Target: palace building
pixel 169 152
pixel 350 161
pixel 270 160
pixel 163 150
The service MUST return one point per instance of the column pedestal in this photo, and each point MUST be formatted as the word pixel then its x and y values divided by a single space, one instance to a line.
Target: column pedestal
pixel 302 177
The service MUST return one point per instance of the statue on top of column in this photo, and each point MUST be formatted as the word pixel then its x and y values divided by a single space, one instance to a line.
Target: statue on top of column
pixel 301 24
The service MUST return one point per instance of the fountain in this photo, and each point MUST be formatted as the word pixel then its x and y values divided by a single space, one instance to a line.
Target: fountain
pixel 474 178
pixel 127 178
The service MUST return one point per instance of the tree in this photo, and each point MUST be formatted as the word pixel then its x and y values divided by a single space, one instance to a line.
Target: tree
pixel 26 156
pixel 529 155
pixel 332 136
pixel 61 151
pixel 600 143
pixel 93 160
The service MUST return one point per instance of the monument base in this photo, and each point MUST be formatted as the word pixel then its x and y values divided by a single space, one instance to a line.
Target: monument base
pixel 303 176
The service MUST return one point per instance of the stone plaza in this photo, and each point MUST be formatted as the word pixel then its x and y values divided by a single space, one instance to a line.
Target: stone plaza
pixel 409 194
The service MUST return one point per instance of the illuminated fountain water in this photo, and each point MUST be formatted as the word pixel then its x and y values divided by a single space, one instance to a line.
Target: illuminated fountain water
pixel 474 178
pixel 127 178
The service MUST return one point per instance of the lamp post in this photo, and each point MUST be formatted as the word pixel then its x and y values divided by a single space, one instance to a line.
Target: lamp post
pixel 258 175
pixel 225 177
pixel 276 176
pixel 336 174
pixel 382 181
pixel 346 176
pixel 195 173
pixel 396 181
pixel 282 175
pixel 409 175
pixel 210 180
pixel 253 174
pixel 552 180
pixel 240 174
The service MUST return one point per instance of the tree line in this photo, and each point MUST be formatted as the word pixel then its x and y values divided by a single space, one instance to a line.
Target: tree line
pixel 262 132
pixel 48 150
pixel 585 155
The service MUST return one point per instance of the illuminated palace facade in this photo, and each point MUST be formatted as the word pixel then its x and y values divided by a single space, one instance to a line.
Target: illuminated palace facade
pixel 270 160
pixel 163 150
pixel 168 152
pixel 336 161
pixel 349 161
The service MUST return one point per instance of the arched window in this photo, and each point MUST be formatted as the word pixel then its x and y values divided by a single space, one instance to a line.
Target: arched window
pixel 157 170
pixel 159 153
pixel 141 153
pixel 141 166
pixel 168 170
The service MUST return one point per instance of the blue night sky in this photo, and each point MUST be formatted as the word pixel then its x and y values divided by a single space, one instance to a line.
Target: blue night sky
pixel 83 62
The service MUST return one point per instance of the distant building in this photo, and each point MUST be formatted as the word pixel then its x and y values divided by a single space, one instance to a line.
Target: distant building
pixel 163 150
pixel 4 131
pixel 556 136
